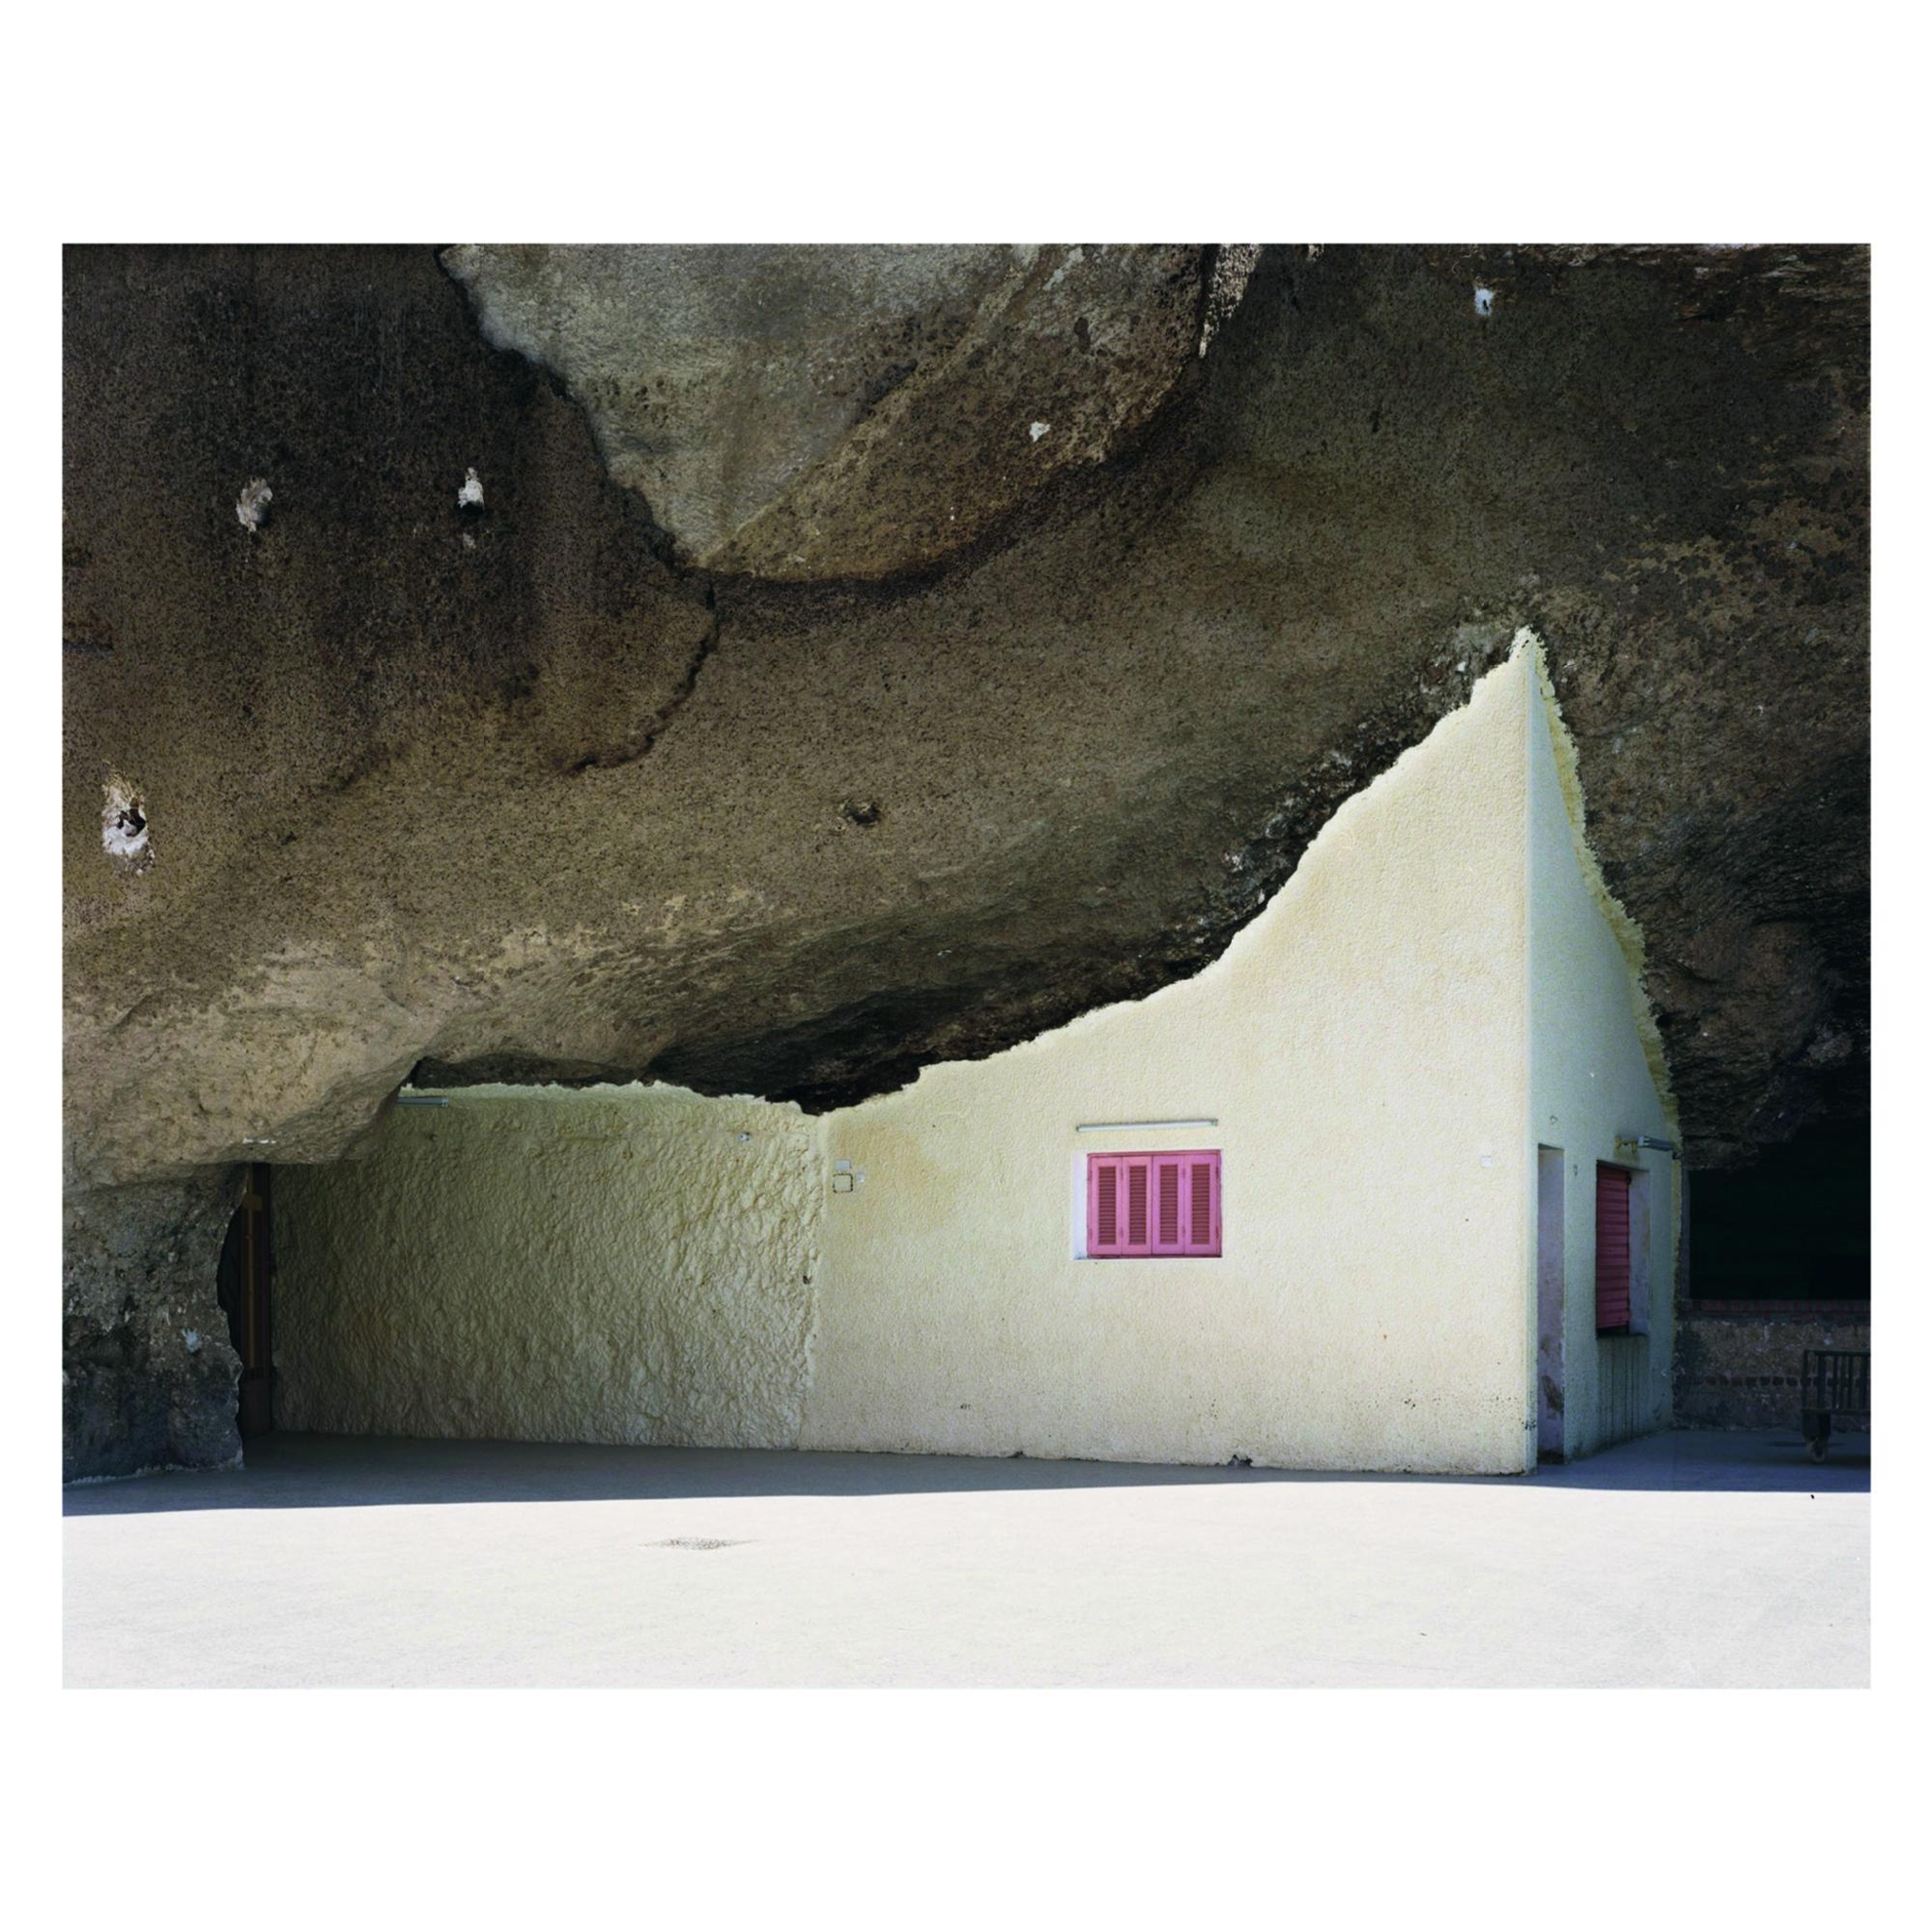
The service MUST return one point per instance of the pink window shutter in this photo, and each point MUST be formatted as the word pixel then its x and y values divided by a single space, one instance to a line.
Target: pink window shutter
pixel 1136 1179
pixel 1200 1204
pixel 1103 1205
pixel 1117 1204
pixel 1169 1235
pixel 1612 1247
pixel 1153 1203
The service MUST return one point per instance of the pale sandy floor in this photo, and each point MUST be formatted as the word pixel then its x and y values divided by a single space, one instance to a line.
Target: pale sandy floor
pixel 1683 1560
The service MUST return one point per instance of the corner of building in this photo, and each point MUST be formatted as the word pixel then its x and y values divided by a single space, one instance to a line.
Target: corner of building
pixel 1600 1090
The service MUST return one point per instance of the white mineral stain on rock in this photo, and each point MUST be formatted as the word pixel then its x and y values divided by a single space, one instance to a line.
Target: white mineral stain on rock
pixel 251 506
pixel 124 828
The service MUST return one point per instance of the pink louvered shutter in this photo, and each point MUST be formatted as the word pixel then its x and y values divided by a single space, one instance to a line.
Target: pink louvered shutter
pixel 1137 1208
pixel 1612 1247
pixel 1200 1204
pixel 1168 1229
pixel 1103 1205
pixel 1119 1210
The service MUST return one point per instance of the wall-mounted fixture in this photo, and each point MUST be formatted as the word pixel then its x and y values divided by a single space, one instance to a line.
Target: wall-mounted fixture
pixel 1115 1126
pixel 422 1099
pixel 1630 1145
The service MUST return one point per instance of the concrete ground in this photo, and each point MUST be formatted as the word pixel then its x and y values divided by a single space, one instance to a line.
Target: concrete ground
pixel 1686 1558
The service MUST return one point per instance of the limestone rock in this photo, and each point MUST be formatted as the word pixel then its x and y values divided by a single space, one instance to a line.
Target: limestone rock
pixel 801 413
pixel 149 1375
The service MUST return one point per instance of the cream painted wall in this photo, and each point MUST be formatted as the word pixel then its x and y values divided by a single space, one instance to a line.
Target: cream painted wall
pixel 1362 1046
pixel 540 1265
pixel 621 1266
pixel 1596 1072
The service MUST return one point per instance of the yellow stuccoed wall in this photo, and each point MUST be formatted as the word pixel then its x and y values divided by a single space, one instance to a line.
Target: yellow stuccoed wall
pixel 540 1265
pixel 1363 1047
pixel 643 1265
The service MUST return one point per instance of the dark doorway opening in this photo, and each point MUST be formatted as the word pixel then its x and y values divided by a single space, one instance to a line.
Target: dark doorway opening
pixel 241 1285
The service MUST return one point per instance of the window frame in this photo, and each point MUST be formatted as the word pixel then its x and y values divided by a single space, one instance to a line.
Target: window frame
pixel 1196 1179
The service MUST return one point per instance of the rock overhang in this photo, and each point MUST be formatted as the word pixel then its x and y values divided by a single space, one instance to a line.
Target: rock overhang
pixel 535 783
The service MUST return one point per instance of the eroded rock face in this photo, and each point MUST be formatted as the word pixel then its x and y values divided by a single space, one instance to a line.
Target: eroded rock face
pixel 582 775
pixel 810 413
pixel 149 1380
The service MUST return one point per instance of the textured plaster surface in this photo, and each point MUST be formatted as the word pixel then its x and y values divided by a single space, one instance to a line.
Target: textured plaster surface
pixel 1596 1065
pixel 358 1562
pixel 1361 1047
pixel 600 1267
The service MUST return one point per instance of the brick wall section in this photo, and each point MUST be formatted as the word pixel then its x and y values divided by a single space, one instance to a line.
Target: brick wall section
pixel 1738 1363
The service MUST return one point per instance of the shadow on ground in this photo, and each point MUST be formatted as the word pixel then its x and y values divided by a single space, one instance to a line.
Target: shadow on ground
pixel 302 1472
